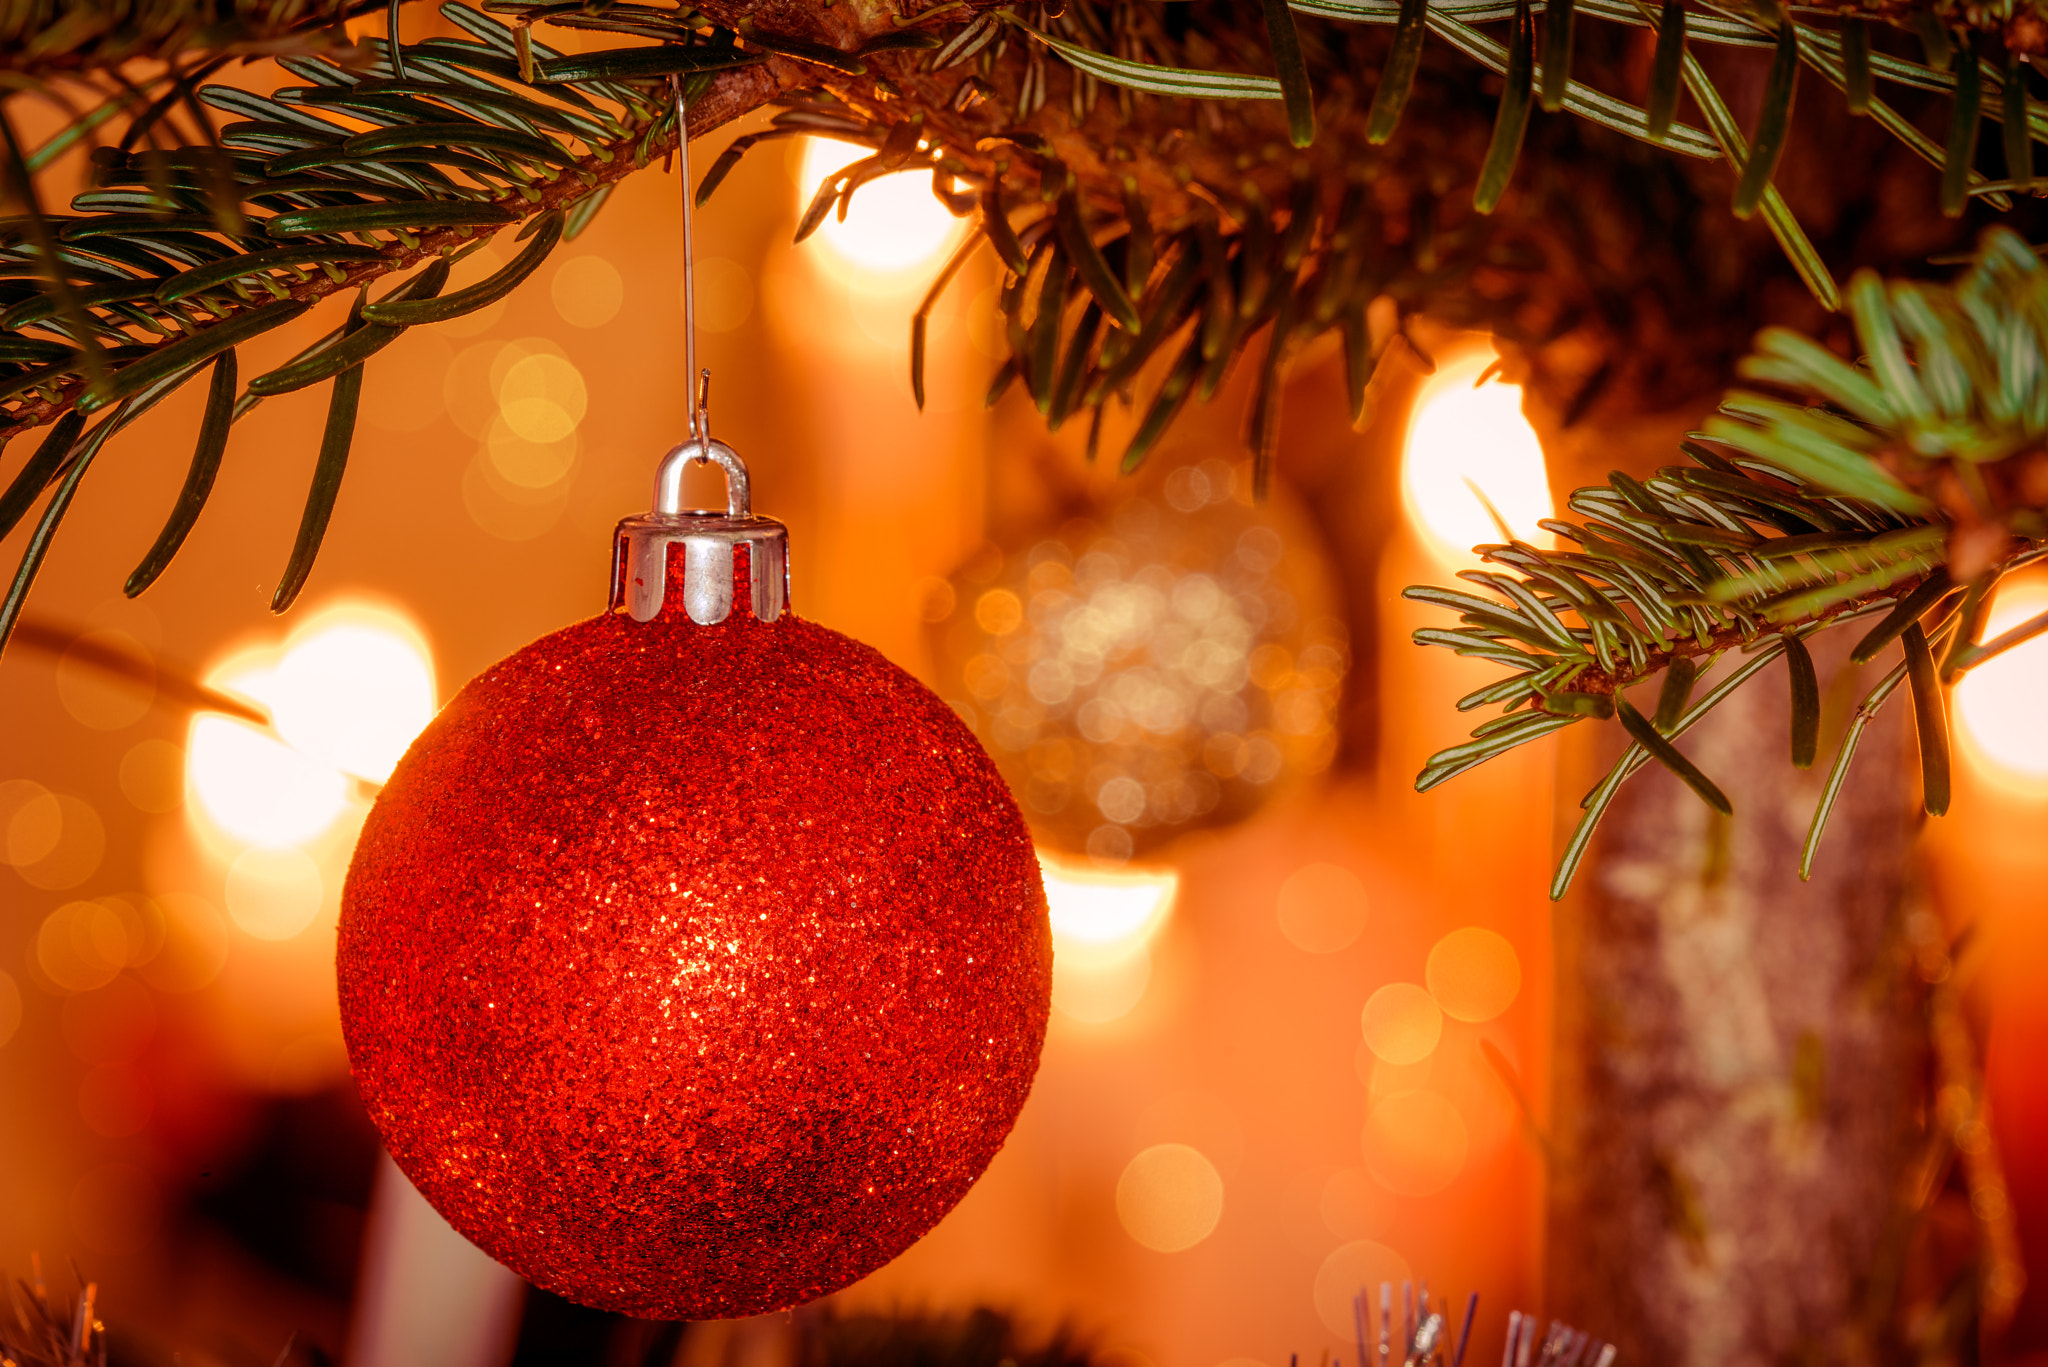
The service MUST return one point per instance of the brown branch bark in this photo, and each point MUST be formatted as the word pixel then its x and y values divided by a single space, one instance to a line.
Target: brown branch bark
pixel 1739 1058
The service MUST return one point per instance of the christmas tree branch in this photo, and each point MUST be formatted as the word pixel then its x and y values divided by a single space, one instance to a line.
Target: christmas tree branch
pixel 1909 483
pixel 1146 251
pixel 189 303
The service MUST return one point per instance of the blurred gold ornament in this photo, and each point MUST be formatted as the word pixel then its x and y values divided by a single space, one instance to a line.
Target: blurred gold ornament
pixel 1169 662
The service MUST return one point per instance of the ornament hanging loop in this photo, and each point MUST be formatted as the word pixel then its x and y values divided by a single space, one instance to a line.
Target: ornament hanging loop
pixel 668 479
pixel 699 546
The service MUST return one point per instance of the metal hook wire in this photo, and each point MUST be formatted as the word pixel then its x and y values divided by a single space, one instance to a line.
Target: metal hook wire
pixel 700 408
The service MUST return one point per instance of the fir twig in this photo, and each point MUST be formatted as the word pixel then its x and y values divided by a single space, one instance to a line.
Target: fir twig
pixel 1815 517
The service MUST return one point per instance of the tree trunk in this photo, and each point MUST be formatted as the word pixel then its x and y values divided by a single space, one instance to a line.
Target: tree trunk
pixel 1739 1054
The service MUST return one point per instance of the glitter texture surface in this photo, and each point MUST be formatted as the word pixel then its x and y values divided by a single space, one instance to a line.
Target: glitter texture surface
pixel 1150 670
pixel 694 971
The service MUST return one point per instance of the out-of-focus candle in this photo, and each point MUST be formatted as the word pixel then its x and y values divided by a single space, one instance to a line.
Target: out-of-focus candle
pixel 898 490
pixel 1439 1123
pixel 426 1296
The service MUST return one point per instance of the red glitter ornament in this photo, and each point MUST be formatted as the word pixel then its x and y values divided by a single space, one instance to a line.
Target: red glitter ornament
pixel 694 968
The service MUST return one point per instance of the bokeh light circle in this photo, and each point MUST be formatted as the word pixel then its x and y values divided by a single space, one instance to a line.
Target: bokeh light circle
pixel 82 945
pixel 1402 1023
pixel 1415 1143
pixel 587 291
pixel 54 840
pixel 30 821
pixel 1169 1197
pixel 1322 908
pixel 1357 1266
pixel 1151 672
pixel 1473 973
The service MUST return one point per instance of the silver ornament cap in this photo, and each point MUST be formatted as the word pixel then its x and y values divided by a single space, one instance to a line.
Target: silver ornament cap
pixel 640 560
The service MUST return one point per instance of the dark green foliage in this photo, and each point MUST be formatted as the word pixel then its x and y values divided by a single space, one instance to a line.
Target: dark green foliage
pixel 1665 69
pixel 1557 54
pixel 327 471
pixel 206 458
pixel 1774 123
pixel 1930 717
pixel 1805 702
pixel 1857 81
pixel 1285 43
pixel 1513 120
pixel 1962 132
pixel 1397 78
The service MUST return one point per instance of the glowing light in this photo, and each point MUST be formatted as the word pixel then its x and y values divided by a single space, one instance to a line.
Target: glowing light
pixel 53 840
pixel 894 222
pixel 1098 993
pixel 258 789
pixel 1105 913
pixel 1169 1198
pixel 1102 920
pixel 1322 908
pixel 1361 1265
pixel 1473 973
pixel 1415 1143
pixel 353 692
pixel 1999 703
pixel 82 945
pixel 1402 1023
pixel 347 693
pixel 1464 443
pixel 31 822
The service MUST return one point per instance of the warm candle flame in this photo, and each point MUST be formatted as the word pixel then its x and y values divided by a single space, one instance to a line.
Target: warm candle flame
pixel 1102 920
pixel 1999 703
pixel 1472 462
pixel 894 222
pixel 348 692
